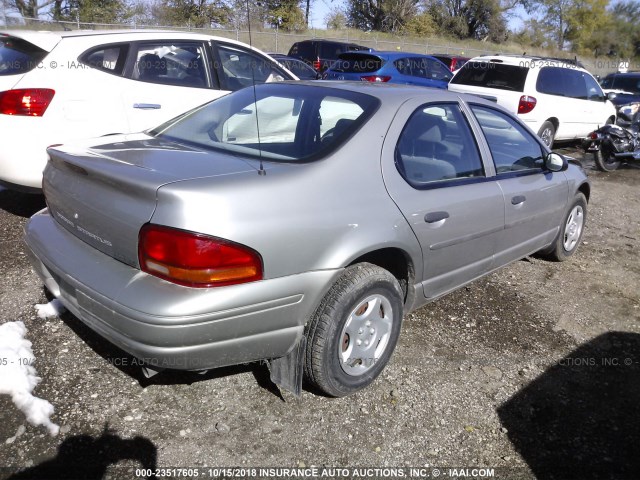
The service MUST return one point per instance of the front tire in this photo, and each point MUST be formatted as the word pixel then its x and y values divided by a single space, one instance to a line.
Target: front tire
pixel 571 230
pixel 547 133
pixel 354 331
pixel 605 161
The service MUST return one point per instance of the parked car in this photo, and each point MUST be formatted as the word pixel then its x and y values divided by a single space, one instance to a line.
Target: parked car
pixel 556 98
pixel 296 66
pixel 60 86
pixel 390 67
pixel 296 223
pixel 320 54
pixel 623 89
pixel 454 62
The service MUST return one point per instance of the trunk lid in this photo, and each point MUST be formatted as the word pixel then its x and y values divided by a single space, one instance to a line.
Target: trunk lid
pixel 103 194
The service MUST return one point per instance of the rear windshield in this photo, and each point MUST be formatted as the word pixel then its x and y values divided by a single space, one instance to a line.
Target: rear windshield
pixel 357 63
pixel 492 75
pixel 279 122
pixel 18 56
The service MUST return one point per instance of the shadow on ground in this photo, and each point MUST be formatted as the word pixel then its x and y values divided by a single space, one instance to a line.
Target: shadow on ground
pixel 581 418
pixel 86 457
pixel 131 366
pixel 21 204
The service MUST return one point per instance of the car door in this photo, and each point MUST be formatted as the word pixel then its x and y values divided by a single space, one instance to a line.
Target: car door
pixel 433 171
pixel 534 198
pixel 167 78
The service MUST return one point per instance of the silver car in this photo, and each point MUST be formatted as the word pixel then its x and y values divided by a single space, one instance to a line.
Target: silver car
pixel 296 223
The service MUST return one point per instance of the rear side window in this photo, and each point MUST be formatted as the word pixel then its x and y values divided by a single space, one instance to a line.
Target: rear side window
pixel 18 56
pixel 492 75
pixel 357 63
pixel 302 50
pixel 627 83
pixel 437 145
pixel 108 58
pixel 181 64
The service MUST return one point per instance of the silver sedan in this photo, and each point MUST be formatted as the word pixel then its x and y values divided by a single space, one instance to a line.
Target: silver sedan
pixel 296 223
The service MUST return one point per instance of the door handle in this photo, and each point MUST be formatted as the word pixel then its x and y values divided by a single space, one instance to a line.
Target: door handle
pixel 147 106
pixel 518 199
pixel 434 217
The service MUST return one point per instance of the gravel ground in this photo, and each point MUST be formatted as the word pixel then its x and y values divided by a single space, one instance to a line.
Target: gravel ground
pixel 533 371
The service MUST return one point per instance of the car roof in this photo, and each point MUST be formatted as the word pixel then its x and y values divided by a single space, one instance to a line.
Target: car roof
pixel 530 61
pixel 388 53
pixel 392 92
pixel 47 40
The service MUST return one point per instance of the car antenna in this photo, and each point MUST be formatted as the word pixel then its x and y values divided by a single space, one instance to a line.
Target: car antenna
pixel 262 171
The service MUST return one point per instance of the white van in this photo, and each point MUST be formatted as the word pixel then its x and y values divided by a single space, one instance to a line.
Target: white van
pixel 557 98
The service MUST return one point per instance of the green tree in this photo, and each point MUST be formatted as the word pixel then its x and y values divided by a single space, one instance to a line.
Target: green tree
pixel 336 19
pixel 421 25
pixel 91 11
pixel 477 19
pixel 381 15
pixel 197 13
pixel 285 15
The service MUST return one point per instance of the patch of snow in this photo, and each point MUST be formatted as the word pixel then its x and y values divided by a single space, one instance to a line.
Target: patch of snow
pixel 51 309
pixel 18 377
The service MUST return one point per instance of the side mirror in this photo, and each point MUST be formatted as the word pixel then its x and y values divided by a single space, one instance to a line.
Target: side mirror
pixel 611 95
pixel 555 162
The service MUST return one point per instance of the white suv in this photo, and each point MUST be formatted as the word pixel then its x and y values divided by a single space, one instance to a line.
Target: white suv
pixel 556 98
pixel 57 87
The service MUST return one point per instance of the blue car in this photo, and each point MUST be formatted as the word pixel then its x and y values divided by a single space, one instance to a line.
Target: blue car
pixel 390 67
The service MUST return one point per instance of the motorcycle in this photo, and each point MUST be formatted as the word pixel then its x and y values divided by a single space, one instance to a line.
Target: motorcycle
pixel 612 145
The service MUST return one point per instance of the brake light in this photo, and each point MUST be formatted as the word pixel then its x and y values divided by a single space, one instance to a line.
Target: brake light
pixel 375 78
pixel 593 135
pixel 196 260
pixel 32 102
pixel 526 104
pixel 454 62
pixel 316 64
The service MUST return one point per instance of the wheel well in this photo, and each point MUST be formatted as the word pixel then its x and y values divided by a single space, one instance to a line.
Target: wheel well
pixel 394 260
pixel 585 189
pixel 554 121
pixel 612 118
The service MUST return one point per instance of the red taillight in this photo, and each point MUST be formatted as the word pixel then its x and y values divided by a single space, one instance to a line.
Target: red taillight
pixel 375 78
pixel 196 260
pixel 316 64
pixel 593 135
pixel 32 102
pixel 454 62
pixel 526 104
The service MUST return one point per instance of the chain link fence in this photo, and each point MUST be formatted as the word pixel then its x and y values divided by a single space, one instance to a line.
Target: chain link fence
pixel 275 41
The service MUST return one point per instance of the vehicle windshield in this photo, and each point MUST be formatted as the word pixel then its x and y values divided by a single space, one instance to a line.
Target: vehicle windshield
pixel 492 75
pixel 357 63
pixel 18 56
pixel 627 83
pixel 280 122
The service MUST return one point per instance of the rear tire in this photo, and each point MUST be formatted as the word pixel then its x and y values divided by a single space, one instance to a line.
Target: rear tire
pixel 547 133
pixel 571 230
pixel 354 331
pixel 605 161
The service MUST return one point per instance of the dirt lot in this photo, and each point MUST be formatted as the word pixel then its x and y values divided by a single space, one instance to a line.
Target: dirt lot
pixel 533 371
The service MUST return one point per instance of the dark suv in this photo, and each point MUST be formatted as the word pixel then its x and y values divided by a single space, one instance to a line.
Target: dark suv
pixel 322 53
pixel 623 89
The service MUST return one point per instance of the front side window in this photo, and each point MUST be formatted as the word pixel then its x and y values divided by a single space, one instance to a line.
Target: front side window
pixel 438 71
pixel 275 122
pixel 171 63
pixel 239 68
pixel 437 145
pixel 513 148
pixel 594 92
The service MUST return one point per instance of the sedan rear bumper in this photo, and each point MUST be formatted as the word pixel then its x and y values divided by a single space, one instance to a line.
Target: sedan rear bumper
pixel 167 325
